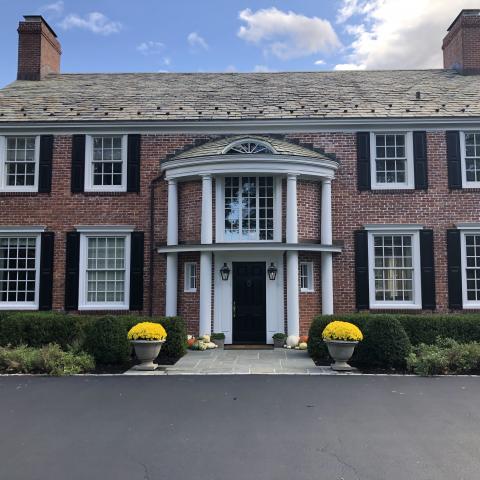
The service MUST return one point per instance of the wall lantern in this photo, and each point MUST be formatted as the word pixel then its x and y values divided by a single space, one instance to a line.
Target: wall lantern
pixel 225 272
pixel 272 271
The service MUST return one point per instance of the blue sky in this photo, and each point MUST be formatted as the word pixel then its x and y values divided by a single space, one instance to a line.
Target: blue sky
pixel 235 35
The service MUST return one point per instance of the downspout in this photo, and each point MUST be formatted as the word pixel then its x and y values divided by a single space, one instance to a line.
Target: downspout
pixel 153 184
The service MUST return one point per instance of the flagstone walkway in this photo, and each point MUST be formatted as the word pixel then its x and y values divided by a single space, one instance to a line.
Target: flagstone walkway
pixel 277 361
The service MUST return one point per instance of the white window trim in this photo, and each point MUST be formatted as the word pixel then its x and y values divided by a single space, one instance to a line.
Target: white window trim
pixel 311 288
pixel 89 186
pixel 82 283
pixel 3 166
pixel 220 208
pixel 186 275
pixel 416 303
pixel 467 304
pixel 463 155
pixel 410 174
pixel 28 232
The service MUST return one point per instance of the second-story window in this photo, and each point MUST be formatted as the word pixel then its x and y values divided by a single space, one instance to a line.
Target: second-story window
pixel 19 158
pixel 106 158
pixel 392 165
pixel 471 159
pixel 249 208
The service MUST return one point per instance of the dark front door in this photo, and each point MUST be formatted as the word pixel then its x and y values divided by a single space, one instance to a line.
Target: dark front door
pixel 249 311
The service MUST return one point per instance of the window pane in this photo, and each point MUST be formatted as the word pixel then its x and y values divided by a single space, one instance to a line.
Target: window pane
pixel 20 161
pixel 472 157
pixel 107 161
pixel 17 269
pixel 391 161
pixel 472 266
pixel 106 270
pixel 393 268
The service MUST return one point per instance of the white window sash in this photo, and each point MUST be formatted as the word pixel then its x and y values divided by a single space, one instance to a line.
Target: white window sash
pixel 26 305
pixel 188 276
pixel 409 177
pixel 89 186
pixel 3 166
pixel 83 303
pixel 463 159
pixel 309 270
pixel 220 209
pixel 416 302
pixel 467 304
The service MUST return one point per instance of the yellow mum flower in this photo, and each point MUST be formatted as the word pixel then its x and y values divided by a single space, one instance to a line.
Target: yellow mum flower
pixel 342 331
pixel 147 331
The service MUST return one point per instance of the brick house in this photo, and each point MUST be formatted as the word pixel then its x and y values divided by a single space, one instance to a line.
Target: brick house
pixel 246 203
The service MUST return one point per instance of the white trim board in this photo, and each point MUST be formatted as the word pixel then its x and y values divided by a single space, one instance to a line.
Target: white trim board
pixel 250 247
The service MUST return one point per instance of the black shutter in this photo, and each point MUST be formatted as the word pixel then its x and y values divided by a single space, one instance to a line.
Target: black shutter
pixel 45 164
pixel 72 268
pixel 78 163
pixel 361 269
pixel 363 161
pixel 136 271
pixel 454 160
pixel 133 164
pixel 420 160
pixel 454 255
pixel 46 271
pixel 427 269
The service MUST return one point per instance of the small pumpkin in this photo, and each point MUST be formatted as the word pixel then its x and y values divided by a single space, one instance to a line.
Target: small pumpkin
pixel 190 342
pixel 303 339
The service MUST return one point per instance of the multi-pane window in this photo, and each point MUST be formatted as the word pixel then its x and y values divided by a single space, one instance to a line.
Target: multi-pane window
pixel 249 208
pixel 306 276
pixel 393 268
pixel 18 270
pixel 106 163
pixel 249 147
pixel 472 266
pixel 106 270
pixel 472 157
pixel 190 277
pixel 20 163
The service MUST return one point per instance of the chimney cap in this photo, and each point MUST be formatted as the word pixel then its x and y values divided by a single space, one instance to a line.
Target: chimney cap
pixel 466 12
pixel 39 19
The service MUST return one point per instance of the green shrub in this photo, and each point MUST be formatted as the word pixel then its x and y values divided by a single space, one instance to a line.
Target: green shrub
pixel 106 339
pixel 385 344
pixel 49 359
pixel 39 328
pixel 444 357
pixel 176 343
pixel 218 336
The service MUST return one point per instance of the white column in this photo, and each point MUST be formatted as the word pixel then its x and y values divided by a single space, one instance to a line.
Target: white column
pixel 326 239
pixel 171 283
pixel 172 215
pixel 205 293
pixel 206 258
pixel 293 322
pixel 207 224
pixel 292 223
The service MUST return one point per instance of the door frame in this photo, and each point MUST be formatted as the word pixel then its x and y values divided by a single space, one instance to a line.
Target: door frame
pixel 274 293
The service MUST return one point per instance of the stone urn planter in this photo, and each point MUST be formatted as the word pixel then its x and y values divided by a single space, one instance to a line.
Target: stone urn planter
pixel 279 340
pixel 147 351
pixel 147 339
pixel 341 351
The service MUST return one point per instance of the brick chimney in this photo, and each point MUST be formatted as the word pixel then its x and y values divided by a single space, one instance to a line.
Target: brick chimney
pixel 38 49
pixel 461 45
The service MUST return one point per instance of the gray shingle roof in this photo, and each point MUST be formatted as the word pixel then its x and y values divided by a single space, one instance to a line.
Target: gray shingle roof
pixel 202 96
pixel 280 146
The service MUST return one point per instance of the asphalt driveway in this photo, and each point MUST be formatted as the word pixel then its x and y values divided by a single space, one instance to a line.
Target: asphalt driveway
pixel 239 427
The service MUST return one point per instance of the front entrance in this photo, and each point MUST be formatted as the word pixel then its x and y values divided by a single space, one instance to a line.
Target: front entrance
pixel 248 302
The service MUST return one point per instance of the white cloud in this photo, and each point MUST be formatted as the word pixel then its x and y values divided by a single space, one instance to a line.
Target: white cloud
pixel 287 34
pixel 96 22
pixel 55 8
pixel 167 61
pixel 349 66
pixel 231 69
pixel 195 40
pixel 151 48
pixel 405 34
pixel 319 62
pixel 262 69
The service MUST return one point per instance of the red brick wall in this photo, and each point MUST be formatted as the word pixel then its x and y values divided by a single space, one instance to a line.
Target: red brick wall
pixel 190 208
pixel 189 302
pixel 308 214
pixel 310 302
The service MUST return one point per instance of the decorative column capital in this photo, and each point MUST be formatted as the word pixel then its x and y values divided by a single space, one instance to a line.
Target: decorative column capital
pixel 327 181
pixel 172 181
pixel 292 176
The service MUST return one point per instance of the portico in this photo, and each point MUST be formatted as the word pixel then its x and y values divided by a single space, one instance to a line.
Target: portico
pixel 243 189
